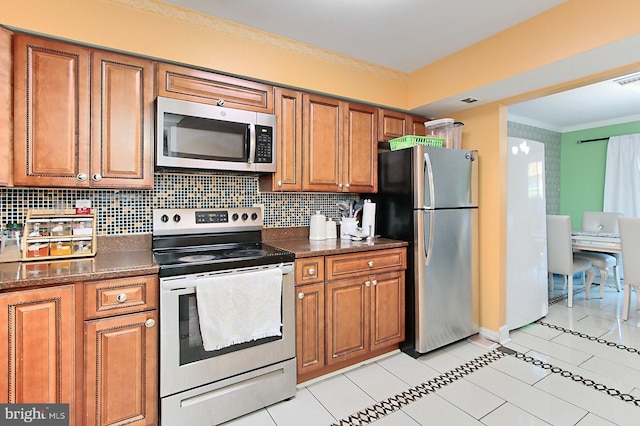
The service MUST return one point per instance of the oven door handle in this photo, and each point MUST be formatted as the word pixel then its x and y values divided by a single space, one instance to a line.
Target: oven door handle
pixel 182 283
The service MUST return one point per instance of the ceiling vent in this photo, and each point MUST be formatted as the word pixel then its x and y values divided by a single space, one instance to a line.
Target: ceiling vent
pixel 630 82
pixel 469 100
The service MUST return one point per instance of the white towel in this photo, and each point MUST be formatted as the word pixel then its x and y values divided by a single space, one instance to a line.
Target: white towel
pixel 239 308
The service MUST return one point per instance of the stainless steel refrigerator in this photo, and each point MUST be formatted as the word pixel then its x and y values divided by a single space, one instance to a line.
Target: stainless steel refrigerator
pixel 428 197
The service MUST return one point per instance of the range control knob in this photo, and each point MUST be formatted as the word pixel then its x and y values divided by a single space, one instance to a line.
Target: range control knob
pixel 164 218
pixel 176 218
pixel 254 216
pixel 234 217
pixel 245 216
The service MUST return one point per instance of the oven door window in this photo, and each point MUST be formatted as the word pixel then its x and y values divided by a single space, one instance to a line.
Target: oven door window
pixel 191 347
pixel 205 139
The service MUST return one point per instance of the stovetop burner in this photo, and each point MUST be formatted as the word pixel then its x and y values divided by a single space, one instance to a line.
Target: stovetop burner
pixel 196 258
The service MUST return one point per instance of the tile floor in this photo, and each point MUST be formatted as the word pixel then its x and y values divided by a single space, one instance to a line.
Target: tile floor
pixel 578 366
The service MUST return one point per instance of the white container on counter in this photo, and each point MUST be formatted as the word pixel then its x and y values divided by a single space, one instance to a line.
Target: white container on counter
pixel 332 231
pixel 348 228
pixel 318 227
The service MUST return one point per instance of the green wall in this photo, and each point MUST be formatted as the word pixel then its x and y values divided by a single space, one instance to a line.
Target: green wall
pixel 583 167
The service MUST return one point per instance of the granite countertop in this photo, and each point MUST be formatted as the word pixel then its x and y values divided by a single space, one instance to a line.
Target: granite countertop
pixel 303 247
pixel 118 258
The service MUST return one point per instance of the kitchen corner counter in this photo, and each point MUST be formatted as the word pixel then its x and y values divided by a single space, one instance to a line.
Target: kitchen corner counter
pixel 308 248
pixel 111 263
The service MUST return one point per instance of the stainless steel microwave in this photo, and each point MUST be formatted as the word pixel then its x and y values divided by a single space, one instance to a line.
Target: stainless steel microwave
pixel 191 135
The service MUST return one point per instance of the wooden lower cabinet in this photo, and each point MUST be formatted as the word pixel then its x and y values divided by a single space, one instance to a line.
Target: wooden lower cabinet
pixel 310 353
pixel 121 356
pixel 92 345
pixel 39 351
pixel 356 313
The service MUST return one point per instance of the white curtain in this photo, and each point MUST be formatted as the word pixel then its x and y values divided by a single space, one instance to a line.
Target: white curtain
pixel 622 175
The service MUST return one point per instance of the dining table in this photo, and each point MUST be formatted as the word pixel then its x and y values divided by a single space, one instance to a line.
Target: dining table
pixel 606 242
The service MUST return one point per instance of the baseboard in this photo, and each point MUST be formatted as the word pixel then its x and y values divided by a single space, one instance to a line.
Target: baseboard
pixel 502 336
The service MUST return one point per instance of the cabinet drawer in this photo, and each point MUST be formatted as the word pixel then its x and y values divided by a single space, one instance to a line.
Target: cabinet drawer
pixel 309 270
pixel 350 265
pixel 206 87
pixel 119 296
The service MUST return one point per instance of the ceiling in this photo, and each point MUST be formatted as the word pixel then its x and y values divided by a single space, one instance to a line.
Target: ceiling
pixel 389 33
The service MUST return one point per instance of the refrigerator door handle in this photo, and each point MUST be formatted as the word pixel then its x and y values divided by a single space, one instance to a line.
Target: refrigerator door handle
pixel 428 177
pixel 428 247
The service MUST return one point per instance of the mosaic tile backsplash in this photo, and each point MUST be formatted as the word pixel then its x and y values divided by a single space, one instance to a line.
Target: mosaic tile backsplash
pixel 129 211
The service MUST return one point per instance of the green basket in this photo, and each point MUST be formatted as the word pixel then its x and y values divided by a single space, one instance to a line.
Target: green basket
pixel 412 140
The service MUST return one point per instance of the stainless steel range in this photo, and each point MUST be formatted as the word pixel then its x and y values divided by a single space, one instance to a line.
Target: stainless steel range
pixel 227 322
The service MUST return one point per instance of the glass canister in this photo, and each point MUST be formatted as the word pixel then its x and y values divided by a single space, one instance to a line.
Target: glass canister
pixel 13 235
pixel 37 248
pixel 60 227
pixel 82 246
pixel 37 228
pixel 60 247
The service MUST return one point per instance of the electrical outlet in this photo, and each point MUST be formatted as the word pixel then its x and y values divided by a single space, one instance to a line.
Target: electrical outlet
pixel 261 208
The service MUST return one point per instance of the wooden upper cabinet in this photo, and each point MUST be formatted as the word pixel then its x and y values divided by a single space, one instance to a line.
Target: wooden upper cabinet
pixel 207 87
pixel 417 125
pixel 392 124
pixel 51 112
pixel 288 176
pixel 322 143
pixel 39 356
pixel 82 117
pixel 361 149
pixel 6 106
pixel 122 121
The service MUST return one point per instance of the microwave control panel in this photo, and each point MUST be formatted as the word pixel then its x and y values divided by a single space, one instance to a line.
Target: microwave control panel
pixel 264 144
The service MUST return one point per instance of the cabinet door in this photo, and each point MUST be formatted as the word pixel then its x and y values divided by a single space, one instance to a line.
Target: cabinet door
pixel 6 118
pixel 122 121
pixel 347 319
pixel 387 309
pixel 417 124
pixel 38 342
pixel 51 113
pixel 210 88
pixel 310 354
pixel 288 108
pixel 121 356
pixel 322 144
pixel 392 124
pixel 361 149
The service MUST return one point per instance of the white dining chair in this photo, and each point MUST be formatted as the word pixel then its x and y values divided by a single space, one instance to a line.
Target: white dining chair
pixel 560 258
pixel 602 222
pixel 630 241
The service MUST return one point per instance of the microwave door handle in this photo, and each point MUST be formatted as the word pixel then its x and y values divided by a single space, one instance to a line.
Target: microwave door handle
pixel 252 143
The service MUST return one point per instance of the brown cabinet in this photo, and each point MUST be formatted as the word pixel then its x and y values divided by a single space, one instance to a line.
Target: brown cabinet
pixel 41 351
pixel 392 124
pixel 210 88
pixel 121 351
pixel 353 311
pixel 417 124
pixel 6 108
pixel 82 117
pixel 339 145
pixel 288 176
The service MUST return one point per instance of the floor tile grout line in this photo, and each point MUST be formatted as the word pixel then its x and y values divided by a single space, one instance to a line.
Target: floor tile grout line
pixel 396 402
pixel 589 337
pixel 568 374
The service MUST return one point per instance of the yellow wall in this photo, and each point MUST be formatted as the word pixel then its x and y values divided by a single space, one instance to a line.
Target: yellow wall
pixel 163 31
